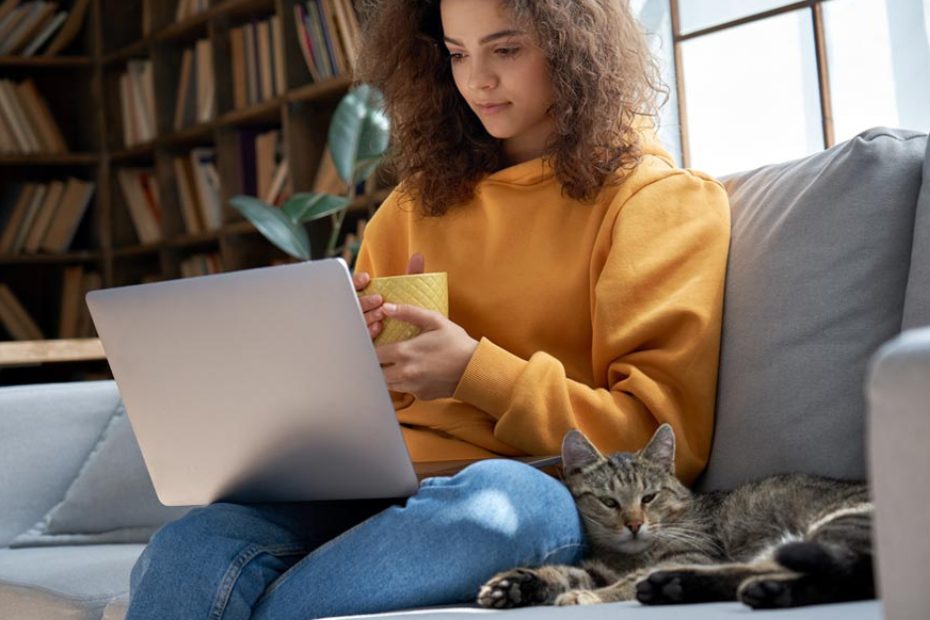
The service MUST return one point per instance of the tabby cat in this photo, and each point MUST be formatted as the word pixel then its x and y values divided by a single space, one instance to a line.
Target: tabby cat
pixel 782 541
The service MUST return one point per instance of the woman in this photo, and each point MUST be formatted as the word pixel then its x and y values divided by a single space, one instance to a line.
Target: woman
pixel 586 281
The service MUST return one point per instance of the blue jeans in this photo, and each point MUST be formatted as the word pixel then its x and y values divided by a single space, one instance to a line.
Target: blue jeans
pixel 309 560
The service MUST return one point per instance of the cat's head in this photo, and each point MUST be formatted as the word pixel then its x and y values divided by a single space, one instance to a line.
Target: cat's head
pixel 630 500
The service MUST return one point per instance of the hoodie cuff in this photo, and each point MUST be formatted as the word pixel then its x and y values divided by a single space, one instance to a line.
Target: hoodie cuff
pixel 489 378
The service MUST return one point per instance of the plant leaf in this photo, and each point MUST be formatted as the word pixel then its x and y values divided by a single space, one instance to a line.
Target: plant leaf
pixel 275 225
pixel 359 130
pixel 364 168
pixel 309 206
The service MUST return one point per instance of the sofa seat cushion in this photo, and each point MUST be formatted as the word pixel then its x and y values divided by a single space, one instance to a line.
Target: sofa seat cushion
pixel 64 582
pixel 631 610
pixel 866 610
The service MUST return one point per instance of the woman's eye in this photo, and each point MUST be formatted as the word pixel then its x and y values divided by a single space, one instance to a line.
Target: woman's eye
pixel 610 502
pixel 648 498
pixel 507 51
pixel 456 56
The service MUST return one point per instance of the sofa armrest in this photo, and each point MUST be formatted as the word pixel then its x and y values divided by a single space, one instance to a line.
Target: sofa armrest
pixel 898 391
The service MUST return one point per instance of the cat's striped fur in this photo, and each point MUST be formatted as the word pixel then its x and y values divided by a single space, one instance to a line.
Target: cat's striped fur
pixel 781 541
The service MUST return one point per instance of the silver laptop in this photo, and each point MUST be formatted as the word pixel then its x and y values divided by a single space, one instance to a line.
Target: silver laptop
pixel 257 386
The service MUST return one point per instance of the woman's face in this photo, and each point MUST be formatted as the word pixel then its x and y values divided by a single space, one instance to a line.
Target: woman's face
pixel 502 74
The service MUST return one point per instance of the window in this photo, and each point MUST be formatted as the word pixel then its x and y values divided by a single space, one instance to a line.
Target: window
pixel 762 81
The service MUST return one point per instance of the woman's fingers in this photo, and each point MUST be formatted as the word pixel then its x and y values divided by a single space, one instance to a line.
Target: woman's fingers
pixel 361 280
pixel 370 302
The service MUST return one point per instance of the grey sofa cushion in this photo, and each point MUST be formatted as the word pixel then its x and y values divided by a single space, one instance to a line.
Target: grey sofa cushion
pixel 46 433
pixel 63 582
pixel 819 257
pixel 917 300
pixel 111 500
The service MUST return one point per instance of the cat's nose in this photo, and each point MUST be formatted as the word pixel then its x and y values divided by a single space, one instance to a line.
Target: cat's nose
pixel 634 526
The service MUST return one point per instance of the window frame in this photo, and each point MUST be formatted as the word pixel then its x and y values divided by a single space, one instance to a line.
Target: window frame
pixel 823 76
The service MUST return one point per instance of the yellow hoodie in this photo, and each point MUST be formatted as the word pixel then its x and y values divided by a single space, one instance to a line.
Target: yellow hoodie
pixel 603 317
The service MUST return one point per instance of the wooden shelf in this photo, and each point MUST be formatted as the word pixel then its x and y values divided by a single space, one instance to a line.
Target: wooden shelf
pixel 50 159
pixel 27 352
pixel 38 259
pixel 45 62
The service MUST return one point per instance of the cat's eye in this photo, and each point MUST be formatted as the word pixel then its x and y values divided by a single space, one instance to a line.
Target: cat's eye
pixel 609 502
pixel 648 498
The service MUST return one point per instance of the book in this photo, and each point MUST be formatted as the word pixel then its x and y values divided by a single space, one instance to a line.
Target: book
pixel 16 320
pixel 45 33
pixel 40 118
pixel 206 187
pixel 92 282
pixel 72 287
pixel 265 66
pixel 240 72
pixel 74 203
pixel 185 104
pixel 277 37
pixel 17 217
pixel 31 210
pixel 190 210
pixel 27 27
pixel 143 214
pixel 44 217
pixel 70 29
pixel 206 88
pixel 11 108
pixel 303 40
pixel 266 160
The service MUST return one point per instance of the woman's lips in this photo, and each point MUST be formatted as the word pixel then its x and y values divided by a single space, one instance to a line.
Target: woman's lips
pixel 492 108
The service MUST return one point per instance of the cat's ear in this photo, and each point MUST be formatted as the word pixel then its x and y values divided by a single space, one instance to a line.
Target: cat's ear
pixel 578 452
pixel 661 448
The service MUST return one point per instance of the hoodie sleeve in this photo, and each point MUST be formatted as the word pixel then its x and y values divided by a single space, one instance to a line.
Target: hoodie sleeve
pixel 656 325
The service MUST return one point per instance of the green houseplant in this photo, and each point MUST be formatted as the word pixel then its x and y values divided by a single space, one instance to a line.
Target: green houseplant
pixel 357 140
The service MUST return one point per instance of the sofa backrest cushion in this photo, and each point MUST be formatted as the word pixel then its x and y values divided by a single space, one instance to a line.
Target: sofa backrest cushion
pixel 112 500
pixel 819 258
pixel 917 298
pixel 46 433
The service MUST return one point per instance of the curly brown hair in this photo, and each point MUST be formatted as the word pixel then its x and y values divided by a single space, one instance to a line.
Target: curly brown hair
pixel 604 77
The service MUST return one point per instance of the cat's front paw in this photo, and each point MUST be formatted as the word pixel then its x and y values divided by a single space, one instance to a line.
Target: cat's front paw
pixel 519 587
pixel 660 588
pixel 578 597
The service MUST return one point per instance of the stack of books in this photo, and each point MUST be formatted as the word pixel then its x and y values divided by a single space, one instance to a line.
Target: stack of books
pixel 329 35
pixel 196 102
pixel 199 190
pixel 74 319
pixel 137 102
pixel 28 27
pixel 15 319
pixel 42 217
pixel 189 8
pixel 140 191
pixel 201 265
pixel 26 123
pixel 257 51
pixel 264 168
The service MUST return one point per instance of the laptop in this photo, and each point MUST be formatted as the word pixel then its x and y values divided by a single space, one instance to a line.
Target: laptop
pixel 260 385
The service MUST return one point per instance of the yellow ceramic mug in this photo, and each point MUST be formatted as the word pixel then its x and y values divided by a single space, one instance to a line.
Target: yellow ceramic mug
pixel 426 290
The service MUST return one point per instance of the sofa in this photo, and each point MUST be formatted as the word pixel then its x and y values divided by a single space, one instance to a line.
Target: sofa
pixel 824 368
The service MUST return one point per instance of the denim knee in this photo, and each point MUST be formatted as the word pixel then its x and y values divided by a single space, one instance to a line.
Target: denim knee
pixel 535 510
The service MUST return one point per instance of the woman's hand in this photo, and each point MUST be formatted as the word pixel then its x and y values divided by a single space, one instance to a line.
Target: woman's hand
pixel 371 304
pixel 431 364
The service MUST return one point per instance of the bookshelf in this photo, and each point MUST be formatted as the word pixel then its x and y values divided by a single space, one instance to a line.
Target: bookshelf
pixel 85 92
